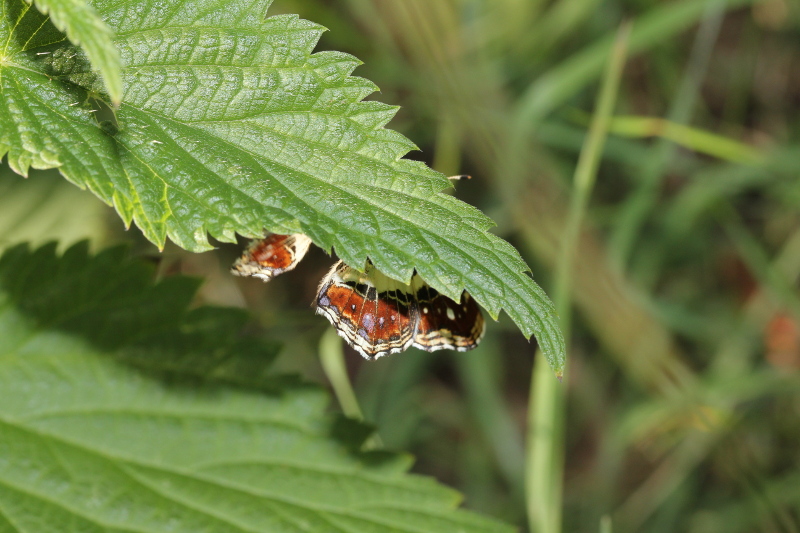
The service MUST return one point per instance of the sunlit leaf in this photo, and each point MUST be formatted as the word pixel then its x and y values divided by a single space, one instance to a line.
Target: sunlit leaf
pixel 230 125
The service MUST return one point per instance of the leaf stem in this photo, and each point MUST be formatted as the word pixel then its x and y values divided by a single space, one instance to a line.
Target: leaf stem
pixel 545 465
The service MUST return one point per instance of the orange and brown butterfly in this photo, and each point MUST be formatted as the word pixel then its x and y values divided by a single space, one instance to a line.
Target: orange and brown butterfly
pixel 273 255
pixel 374 313
pixel 378 315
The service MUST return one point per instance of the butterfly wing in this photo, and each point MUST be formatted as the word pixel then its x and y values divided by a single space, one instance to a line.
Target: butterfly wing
pixel 369 310
pixel 273 255
pixel 375 314
pixel 444 323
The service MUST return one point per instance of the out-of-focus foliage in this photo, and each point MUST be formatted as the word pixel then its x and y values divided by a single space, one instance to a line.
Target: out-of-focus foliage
pixel 684 385
pixel 684 379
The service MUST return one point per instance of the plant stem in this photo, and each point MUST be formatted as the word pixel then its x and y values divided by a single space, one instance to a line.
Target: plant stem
pixel 331 355
pixel 545 462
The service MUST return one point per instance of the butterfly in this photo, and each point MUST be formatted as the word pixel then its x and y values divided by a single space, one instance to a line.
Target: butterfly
pixel 274 254
pixel 374 313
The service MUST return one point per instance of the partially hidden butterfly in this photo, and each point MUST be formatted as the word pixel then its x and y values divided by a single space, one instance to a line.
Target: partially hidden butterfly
pixel 374 313
pixel 274 254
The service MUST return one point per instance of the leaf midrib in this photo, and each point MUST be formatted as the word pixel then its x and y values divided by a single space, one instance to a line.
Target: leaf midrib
pixel 257 31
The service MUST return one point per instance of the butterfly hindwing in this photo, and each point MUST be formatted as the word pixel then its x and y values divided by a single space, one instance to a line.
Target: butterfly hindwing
pixel 375 314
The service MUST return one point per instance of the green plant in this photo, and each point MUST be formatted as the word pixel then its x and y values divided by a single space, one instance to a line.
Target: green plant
pixel 122 408
pixel 230 125
pixel 681 396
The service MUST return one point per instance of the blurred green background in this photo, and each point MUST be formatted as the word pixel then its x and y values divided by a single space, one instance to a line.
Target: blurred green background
pixel 683 389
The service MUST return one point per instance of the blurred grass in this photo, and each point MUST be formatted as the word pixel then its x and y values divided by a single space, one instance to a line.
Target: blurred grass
pixel 699 141
pixel 546 414
pixel 683 394
pixel 632 215
pixel 490 80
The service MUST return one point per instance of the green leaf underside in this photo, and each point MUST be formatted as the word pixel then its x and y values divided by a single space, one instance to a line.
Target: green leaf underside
pixel 230 125
pixel 84 27
pixel 88 444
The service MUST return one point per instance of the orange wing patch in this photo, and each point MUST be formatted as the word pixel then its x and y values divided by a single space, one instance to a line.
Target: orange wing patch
pixel 370 312
pixel 273 255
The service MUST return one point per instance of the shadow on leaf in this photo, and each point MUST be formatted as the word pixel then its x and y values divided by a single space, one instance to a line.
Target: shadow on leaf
pixel 111 302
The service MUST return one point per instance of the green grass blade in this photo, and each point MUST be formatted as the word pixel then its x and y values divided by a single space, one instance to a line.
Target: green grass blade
pixel 695 139
pixel 331 356
pixel 546 411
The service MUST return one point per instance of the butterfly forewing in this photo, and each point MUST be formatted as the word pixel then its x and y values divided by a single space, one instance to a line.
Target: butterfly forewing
pixel 366 310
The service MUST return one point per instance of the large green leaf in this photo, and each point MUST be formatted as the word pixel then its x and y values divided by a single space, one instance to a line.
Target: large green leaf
pixel 230 125
pixel 101 428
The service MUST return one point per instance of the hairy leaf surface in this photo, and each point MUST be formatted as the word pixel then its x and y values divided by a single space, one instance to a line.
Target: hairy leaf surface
pixel 229 124
pixel 87 443
pixel 84 26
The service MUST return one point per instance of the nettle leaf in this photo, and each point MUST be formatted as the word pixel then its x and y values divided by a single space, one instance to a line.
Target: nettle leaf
pixel 229 124
pixel 89 444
